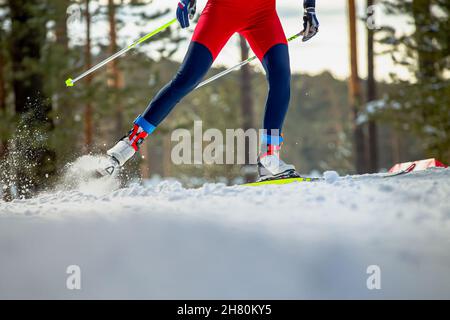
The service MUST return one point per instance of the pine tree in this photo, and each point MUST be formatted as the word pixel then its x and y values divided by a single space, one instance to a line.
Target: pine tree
pixel 422 105
pixel 372 143
pixel 88 109
pixel 115 80
pixel 355 92
pixel 3 111
pixel 34 161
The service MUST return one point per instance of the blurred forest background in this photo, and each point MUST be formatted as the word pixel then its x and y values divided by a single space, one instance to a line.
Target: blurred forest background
pixel 353 126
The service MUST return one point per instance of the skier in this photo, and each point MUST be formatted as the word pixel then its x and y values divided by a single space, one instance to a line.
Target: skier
pixel 258 22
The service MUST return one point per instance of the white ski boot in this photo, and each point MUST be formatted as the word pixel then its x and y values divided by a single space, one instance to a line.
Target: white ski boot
pixel 270 166
pixel 123 151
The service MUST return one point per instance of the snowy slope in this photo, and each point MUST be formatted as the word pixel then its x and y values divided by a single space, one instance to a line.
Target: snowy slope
pixel 305 240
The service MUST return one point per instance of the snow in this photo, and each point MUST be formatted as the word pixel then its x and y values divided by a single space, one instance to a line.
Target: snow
pixel 303 240
pixel 330 176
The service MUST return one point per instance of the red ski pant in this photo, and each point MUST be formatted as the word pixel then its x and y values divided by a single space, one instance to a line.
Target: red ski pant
pixel 256 20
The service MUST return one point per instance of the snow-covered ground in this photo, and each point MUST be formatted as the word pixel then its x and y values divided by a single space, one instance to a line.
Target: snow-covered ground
pixel 304 240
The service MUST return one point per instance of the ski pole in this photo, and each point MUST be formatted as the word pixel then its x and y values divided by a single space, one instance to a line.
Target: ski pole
pixel 238 66
pixel 71 82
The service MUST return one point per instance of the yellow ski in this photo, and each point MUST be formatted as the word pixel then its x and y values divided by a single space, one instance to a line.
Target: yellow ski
pixel 281 181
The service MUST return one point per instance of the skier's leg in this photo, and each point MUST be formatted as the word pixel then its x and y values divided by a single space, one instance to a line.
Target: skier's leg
pixel 196 64
pixel 278 73
pixel 268 41
pixel 276 64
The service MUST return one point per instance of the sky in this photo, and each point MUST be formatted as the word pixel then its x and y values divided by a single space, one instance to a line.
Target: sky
pixel 328 51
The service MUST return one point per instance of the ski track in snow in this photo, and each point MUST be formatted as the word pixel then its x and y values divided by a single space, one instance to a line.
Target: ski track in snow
pixel 303 240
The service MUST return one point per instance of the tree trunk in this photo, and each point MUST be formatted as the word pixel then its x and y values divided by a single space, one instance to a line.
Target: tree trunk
pixel 115 80
pixel 355 91
pixel 426 59
pixel 62 101
pixel 88 111
pixel 246 104
pixel 421 10
pixel 371 96
pixel 61 23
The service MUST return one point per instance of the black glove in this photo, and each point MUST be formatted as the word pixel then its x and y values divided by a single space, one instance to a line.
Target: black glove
pixel 310 24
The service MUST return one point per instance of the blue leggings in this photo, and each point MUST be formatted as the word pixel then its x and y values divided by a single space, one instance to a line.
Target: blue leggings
pixel 196 64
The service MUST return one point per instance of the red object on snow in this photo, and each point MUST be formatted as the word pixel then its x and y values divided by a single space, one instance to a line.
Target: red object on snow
pixel 420 165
